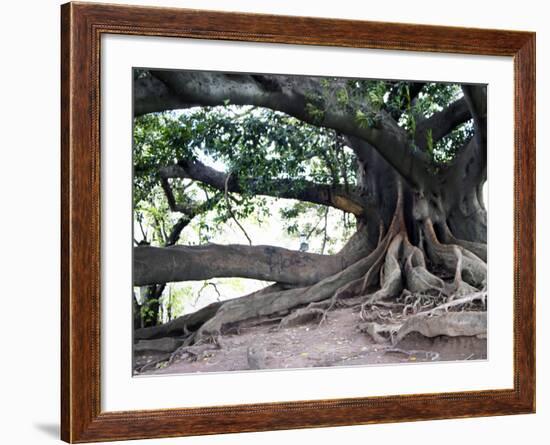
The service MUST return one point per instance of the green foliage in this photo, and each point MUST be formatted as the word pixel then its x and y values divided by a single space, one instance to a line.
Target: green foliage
pixel 175 299
pixel 248 142
pixel 265 148
pixel 364 120
pixel 342 97
pixel 316 103
pixel 429 141
pixel 433 98
pixel 149 312
pixel 445 149
pixel 376 91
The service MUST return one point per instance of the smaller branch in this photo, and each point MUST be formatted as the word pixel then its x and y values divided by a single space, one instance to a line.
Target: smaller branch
pixel 325 232
pixel 204 286
pixel 342 153
pixel 308 236
pixel 442 123
pixel 431 355
pixel 161 230
pixel 143 232
pixel 329 195
pixel 231 213
pixel 177 228
pixel 191 209
pixel 174 206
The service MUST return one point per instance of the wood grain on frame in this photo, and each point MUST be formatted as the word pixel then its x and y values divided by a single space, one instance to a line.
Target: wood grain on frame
pixel 81 28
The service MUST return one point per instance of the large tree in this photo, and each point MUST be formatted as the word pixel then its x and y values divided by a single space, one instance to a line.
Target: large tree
pixel 406 159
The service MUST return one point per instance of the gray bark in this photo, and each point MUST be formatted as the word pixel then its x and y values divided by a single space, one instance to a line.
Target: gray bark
pixel 289 94
pixel 447 201
pixel 184 263
pixel 331 195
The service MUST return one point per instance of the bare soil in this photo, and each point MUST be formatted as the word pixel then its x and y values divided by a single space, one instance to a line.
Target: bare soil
pixel 335 342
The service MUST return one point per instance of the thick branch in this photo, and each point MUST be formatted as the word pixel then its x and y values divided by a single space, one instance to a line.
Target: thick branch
pixel 476 99
pixel 152 95
pixel 190 208
pixel 441 123
pixel 329 195
pixel 293 95
pixel 411 165
pixel 183 263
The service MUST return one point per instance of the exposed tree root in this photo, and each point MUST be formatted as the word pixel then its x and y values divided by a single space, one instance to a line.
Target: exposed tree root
pixel 391 282
pixel 433 356
pixel 395 267
pixel 176 354
pixel 165 344
pixel 473 269
pixel 161 360
pixel 478 249
pixel 460 286
pixel 184 325
pixel 193 353
pixel 376 329
pixel 418 278
pixel 390 240
pixel 452 324
pixel 300 316
pixel 397 291
pixel 179 326
pixel 280 302
pixel 263 304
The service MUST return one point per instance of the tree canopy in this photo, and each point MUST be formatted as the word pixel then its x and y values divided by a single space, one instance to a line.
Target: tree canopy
pixel 262 152
pixel 402 162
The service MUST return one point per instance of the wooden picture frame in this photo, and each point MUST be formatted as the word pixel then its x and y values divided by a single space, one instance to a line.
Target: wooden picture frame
pixel 82 26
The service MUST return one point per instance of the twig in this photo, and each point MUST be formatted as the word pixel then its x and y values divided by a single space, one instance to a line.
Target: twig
pixel 206 284
pixel 143 232
pixel 230 210
pixel 308 236
pixel 325 231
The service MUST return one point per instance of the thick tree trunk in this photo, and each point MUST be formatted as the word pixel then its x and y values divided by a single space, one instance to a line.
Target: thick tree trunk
pixel 424 232
pixel 409 244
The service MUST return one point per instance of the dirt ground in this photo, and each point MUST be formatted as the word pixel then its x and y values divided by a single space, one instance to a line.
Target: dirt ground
pixel 336 342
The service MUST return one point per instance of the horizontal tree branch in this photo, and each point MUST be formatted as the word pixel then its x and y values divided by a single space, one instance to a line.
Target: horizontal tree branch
pixel 330 195
pixel 293 95
pixel 184 263
pixel 152 95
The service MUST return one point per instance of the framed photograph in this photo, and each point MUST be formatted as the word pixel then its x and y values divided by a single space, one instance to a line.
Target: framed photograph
pixel 274 222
